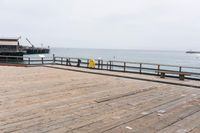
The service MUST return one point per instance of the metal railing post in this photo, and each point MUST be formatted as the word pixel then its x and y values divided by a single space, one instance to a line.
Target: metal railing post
pixel 98 64
pixel 29 60
pixel 158 71
pixel 61 61
pixel 101 64
pixel 66 62
pixel 42 60
pixel 53 58
pixel 110 66
pixel 140 68
pixel 124 66
pixel 180 69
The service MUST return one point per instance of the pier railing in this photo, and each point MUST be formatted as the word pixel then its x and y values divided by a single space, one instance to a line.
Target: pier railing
pixel 130 67
pixel 25 60
pixel 109 65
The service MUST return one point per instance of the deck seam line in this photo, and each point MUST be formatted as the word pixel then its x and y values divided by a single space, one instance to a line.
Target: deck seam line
pixel 179 119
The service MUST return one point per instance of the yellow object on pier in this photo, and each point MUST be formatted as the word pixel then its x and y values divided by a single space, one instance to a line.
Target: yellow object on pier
pixel 92 63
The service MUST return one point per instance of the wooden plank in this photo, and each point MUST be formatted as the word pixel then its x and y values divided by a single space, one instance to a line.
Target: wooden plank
pixel 80 121
pixel 105 99
pixel 51 100
pixel 195 130
pixel 132 118
pixel 161 119
pixel 126 116
pixel 188 124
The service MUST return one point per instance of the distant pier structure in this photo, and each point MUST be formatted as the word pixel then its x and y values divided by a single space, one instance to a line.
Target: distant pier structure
pixel 12 47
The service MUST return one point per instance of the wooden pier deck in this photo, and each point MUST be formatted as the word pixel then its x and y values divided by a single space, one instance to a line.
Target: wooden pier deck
pixel 42 99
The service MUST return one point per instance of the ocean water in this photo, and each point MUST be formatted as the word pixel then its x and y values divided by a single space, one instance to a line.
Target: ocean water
pixel 144 56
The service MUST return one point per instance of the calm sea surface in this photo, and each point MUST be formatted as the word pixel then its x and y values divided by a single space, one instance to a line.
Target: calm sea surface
pixel 159 57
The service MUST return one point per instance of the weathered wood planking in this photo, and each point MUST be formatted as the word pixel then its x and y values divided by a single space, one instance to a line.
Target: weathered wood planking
pixel 39 100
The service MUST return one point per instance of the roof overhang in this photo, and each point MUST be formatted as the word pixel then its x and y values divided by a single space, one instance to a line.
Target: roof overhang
pixel 9 41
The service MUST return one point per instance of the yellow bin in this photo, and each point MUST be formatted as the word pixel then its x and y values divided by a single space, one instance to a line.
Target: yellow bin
pixel 92 63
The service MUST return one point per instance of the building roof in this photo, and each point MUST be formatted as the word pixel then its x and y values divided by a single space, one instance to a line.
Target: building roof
pixel 9 41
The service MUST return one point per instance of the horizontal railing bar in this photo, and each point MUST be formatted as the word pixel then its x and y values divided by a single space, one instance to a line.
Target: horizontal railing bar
pixel 37 60
pixel 113 65
pixel 114 61
pixel 128 62
pixel 154 64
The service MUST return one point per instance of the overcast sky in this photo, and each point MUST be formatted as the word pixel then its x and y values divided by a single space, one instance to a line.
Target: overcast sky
pixel 115 24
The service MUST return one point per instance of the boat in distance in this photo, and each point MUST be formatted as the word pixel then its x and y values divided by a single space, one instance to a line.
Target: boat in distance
pixel 193 52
